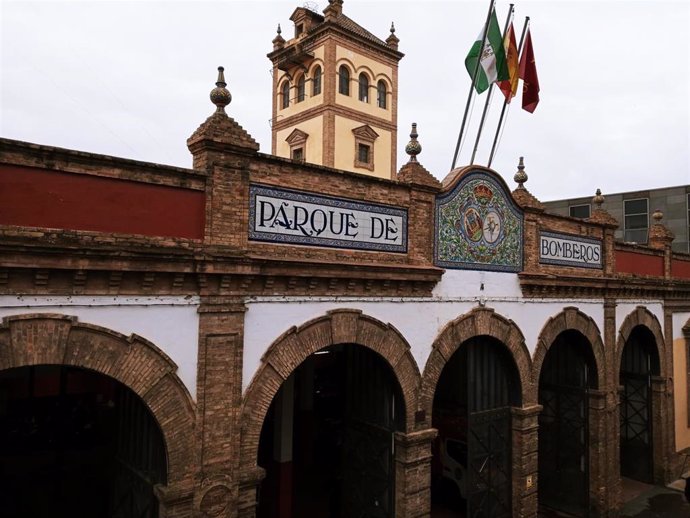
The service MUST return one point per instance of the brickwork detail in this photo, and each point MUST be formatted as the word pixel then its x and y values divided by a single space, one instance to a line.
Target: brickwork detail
pixel 641 316
pixel 344 326
pixel 39 339
pixel 479 321
pixel 570 318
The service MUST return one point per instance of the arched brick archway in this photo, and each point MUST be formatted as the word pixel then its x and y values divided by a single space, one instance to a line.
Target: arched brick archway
pixel 600 427
pixel 341 326
pixel 54 339
pixel 570 318
pixel 641 316
pixel 486 322
pixel 659 398
pixel 479 321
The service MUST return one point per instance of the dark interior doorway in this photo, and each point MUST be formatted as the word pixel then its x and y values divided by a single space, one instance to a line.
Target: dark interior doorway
pixel 327 440
pixel 74 442
pixel 639 362
pixel 567 373
pixel 471 466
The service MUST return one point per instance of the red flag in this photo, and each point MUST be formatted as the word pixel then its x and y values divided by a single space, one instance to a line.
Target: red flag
pixel 509 87
pixel 528 74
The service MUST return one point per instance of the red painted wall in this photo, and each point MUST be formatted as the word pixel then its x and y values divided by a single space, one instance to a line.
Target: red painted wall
pixel 45 198
pixel 680 269
pixel 640 264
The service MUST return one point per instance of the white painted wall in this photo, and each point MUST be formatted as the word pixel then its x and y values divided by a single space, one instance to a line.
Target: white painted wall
pixel 419 320
pixel 171 323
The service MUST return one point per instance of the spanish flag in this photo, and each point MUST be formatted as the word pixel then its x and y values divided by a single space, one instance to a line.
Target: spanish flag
pixel 509 86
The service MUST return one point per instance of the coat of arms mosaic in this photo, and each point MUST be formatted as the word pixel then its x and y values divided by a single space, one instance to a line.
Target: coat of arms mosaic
pixel 478 226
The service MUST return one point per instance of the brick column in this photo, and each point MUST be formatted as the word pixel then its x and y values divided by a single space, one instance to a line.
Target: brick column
pixel 413 473
pixel 525 460
pixel 660 433
pixel 612 399
pixel 175 500
pixel 601 471
pixel 219 382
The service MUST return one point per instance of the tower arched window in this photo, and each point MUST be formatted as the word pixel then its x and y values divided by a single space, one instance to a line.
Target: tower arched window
pixel 381 94
pixel 363 88
pixel 344 80
pixel 316 84
pixel 285 95
pixel 300 89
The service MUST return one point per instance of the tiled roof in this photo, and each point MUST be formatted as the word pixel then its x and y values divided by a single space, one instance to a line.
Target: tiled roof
pixel 350 25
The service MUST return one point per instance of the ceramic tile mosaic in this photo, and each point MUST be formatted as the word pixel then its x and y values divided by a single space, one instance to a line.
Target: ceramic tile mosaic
pixel 478 226
pixel 285 216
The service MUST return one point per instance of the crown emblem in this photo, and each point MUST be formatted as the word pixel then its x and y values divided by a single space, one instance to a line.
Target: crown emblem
pixel 483 194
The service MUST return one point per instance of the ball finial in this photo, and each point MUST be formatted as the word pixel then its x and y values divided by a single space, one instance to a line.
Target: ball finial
pixel 220 96
pixel 521 176
pixel 413 147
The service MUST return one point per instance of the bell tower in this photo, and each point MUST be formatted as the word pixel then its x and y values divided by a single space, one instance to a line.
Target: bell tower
pixel 335 93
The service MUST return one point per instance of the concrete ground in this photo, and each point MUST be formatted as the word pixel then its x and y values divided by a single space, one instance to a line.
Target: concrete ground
pixel 658 502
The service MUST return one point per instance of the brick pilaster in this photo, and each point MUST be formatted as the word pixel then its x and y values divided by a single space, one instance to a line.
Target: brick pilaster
pixel 413 473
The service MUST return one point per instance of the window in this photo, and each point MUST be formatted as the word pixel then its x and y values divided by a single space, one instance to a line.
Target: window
pixel 580 211
pixel 300 89
pixel 636 220
pixel 365 138
pixel 299 29
pixel 363 153
pixel 285 95
pixel 363 88
pixel 316 85
pixel 381 94
pixel 297 140
pixel 344 80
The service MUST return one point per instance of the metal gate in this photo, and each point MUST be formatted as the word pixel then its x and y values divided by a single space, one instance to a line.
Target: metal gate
pixel 636 413
pixel 564 429
pixel 140 461
pixel 372 415
pixel 491 385
pixel 489 492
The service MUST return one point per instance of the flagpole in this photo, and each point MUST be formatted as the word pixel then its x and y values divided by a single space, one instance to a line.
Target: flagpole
pixel 474 79
pixel 488 97
pixel 505 102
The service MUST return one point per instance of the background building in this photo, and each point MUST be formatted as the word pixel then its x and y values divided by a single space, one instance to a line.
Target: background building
pixel 634 209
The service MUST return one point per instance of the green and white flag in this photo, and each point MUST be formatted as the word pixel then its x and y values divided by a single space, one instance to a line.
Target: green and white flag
pixel 492 66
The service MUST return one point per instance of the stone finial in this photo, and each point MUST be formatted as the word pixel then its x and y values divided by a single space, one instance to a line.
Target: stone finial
pixel 521 176
pixel 659 235
pixel 220 96
pixel 599 214
pixel 413 147
pixel 392 40
pixel 278 41
pixel 413 172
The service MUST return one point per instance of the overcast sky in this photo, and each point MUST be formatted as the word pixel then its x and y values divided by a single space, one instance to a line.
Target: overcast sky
pixel 132 79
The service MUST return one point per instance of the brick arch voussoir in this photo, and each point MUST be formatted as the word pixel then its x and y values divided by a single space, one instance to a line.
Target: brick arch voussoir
pixel 640 316
pixel 570 318
pixel 478 322
pixel 294 346
pixel 54 339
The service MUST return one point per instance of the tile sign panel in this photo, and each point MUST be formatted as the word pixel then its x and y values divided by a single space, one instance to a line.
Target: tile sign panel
pixel 286 216
pixel 478 226
pixel 567 250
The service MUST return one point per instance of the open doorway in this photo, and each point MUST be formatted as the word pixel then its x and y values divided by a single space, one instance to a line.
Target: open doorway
pixel 74 442
pixel 327 440
pixel 471 466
